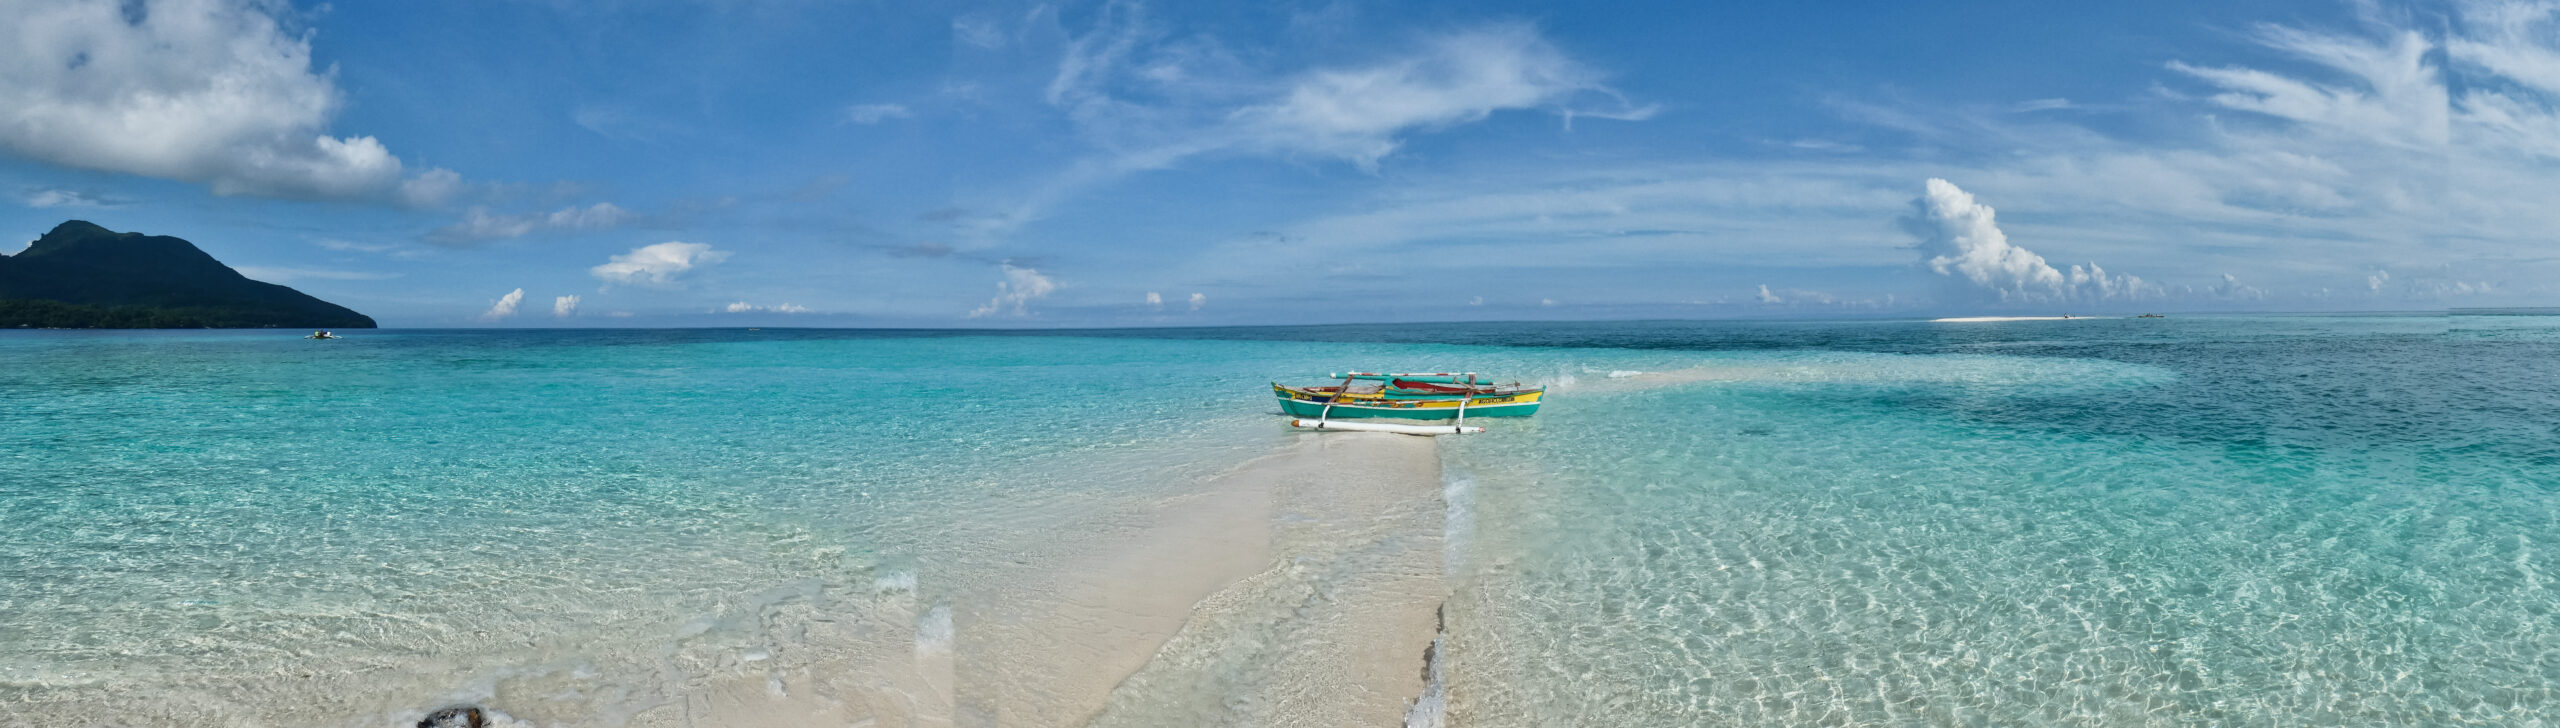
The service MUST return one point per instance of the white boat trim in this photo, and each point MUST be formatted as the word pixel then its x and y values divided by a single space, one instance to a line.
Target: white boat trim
pixel 1470 408
pixel 1383 427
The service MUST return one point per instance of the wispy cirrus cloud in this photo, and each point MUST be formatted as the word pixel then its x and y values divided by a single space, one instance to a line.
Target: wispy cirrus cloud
pixel 2403 147
pixel 479 225
pixel 1150 104
pixel 875 113
pixel 61 197
pixel 288 274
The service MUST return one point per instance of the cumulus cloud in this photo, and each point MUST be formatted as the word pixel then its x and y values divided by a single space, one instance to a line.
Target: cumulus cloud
pixel 209 91
pixel 1155 300
pixel 1019 288
pixel 505 307
pixel 875 113
pixel 1198 300
pixel 1767 297
pixel 564 306
pixel 477 225
pixel 658 264
pixel 1960 238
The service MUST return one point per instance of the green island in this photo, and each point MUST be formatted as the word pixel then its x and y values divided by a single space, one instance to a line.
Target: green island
pixel 83 276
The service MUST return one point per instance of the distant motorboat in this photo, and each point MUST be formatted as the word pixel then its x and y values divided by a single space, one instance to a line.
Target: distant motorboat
pixel 323 335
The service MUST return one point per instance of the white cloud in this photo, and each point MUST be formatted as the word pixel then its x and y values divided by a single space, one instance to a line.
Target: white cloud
pixel 745 307
pixel 478 225
pixel 1476 301
pixel 599 215
pixel 1150 106
pixel 1360 113
pixel 210 91
pixel 2232 289
pixel 1803 297
pixel 2397 96
pixel 2286 205
pixel 345 245
pixel 1198 300
pixel 623 124
pixel 875 113
pixel 505 307
pixel 1826 145
pixel 430 188
pixel 273 274
pixel 1959 237
pixel 44 198
pixel 978 31
pixel 1019 288
pixel 564 306
pixel 658 264
pixel 1155 301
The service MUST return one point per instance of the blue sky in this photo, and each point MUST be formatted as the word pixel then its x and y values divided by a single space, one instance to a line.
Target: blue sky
pixel 779 162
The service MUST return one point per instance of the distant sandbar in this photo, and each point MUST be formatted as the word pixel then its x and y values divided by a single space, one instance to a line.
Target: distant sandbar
pixel 1972 319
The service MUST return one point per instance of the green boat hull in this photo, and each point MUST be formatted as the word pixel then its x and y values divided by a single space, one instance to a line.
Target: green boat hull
pixel 1403 409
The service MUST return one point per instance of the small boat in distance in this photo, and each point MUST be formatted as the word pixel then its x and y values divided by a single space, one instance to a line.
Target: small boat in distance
pixel 323 335
pixel 1406 396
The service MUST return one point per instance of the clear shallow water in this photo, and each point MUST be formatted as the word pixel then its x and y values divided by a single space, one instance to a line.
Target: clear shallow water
pixel 245 527
pixel 2285 521
pixel 2235 521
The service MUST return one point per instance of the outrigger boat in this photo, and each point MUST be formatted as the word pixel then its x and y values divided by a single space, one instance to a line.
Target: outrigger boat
pixel 1406 396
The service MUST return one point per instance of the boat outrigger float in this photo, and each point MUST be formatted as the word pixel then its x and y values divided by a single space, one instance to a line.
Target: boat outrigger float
pixel 1405 396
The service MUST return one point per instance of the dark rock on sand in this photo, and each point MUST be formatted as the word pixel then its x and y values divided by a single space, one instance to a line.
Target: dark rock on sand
pixel 462 716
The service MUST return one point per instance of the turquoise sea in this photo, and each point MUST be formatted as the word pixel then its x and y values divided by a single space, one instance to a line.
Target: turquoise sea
pixel 2240 521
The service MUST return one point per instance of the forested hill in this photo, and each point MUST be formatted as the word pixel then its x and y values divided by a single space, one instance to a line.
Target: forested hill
pixel 82 276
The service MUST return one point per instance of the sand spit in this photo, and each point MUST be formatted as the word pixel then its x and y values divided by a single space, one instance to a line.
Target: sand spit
pixel 1334 631
pixel 1982 319
pixel 1299 588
